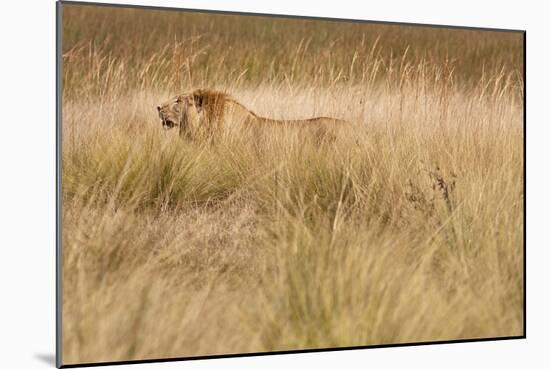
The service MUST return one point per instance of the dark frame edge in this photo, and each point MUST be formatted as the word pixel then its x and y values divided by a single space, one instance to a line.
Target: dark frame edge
pixel 58 193
pixel 525 183
pixel 305 351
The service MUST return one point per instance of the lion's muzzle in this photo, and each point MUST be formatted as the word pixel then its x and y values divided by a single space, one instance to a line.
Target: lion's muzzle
pixel 166 122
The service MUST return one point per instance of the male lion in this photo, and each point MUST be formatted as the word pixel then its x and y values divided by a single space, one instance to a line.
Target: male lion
pixel 203 113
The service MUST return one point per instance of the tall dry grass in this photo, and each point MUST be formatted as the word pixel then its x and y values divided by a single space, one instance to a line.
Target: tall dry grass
pixel 408 228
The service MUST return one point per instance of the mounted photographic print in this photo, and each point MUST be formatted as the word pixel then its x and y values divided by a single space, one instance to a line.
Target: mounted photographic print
pixel 239 184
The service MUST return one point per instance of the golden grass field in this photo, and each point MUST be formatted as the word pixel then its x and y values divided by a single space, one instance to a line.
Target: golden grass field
pixel 407 228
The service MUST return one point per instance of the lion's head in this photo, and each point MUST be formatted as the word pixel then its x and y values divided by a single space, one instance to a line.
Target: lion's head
pixel 175 112
pixel 191 110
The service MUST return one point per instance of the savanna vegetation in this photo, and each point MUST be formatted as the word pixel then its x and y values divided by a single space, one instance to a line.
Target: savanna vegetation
pixel 408 229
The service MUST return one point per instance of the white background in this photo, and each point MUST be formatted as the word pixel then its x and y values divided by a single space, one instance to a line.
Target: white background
pixel 27 182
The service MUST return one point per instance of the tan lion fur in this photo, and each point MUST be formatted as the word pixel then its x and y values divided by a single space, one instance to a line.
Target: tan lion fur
pixel 205 113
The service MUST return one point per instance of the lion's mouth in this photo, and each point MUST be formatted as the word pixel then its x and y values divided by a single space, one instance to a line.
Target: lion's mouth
pixel 167 124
